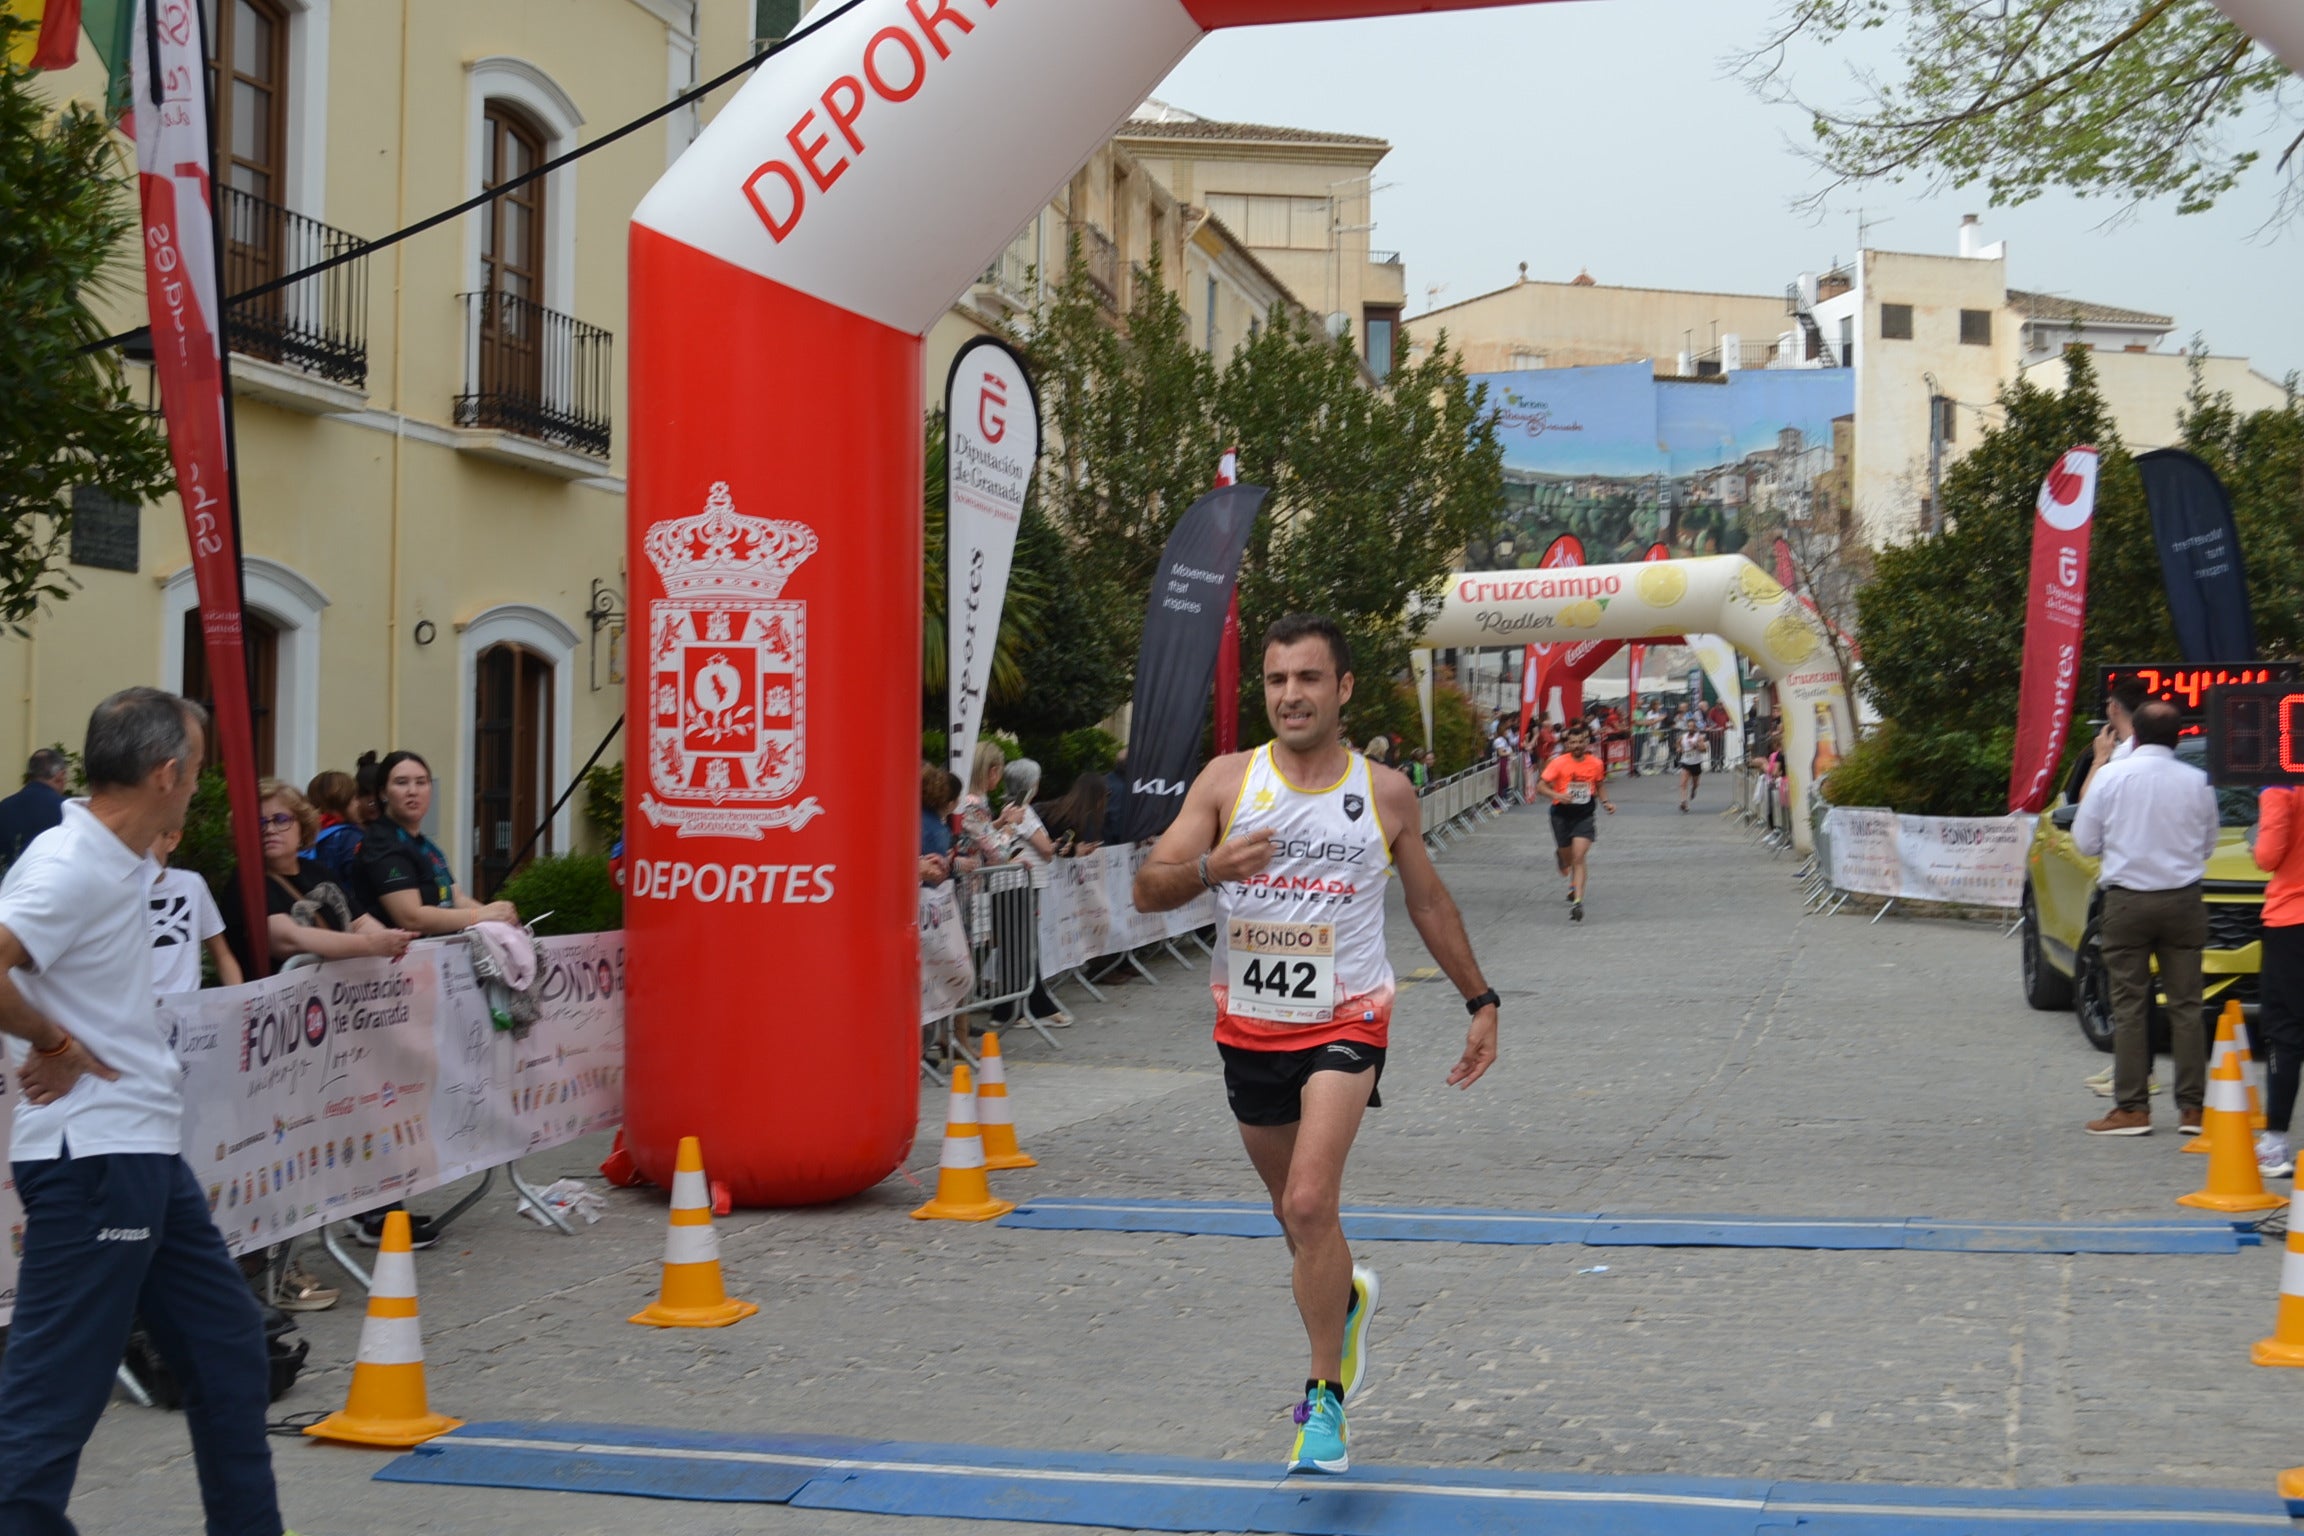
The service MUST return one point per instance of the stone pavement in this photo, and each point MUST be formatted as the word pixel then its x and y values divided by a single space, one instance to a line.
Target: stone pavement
pixel 1696 1046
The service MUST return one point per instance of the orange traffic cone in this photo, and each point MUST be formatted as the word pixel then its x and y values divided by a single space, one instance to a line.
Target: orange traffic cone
pixel 693 1296
pixel 2234 1184
pixel 1000 1149
pixel 962 1192
pixel 2231 1042
pixel 2286 1346
pixel 2291 1489
pixel 386 1405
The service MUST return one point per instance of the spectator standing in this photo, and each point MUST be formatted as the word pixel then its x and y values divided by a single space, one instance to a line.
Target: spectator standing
pixel 185 922
pixel 1036 851
pixel 939 794
pixel 2152 820
pixel 2116 741
pixel 2279 849
pixel 1500 748
pixel 307 911
pixel 988 835
pixel 36 807
pixel 1716 734
pixel 407 885
pixel 1380 749
pixel 346 803
pixel 1075 820
pixel 115 1225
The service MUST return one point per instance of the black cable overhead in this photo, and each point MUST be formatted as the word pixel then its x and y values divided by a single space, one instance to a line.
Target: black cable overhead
pixel 433 221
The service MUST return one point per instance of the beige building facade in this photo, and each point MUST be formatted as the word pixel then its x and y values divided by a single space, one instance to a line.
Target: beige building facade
pixel 1582 323
pixel 431 438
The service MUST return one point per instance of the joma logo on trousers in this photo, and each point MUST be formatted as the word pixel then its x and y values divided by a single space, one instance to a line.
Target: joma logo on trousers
pixel 124 1235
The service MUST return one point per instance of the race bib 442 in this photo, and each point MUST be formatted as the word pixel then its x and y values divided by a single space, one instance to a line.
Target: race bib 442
pixel 1283 973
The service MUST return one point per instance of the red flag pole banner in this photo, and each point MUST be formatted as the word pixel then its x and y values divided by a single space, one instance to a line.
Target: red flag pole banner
pixel 2055 614
pixel 991 443
pixel 1565 551
pixel 172 158
pixel 783 279
pixel 1530 673
pixel 1227 723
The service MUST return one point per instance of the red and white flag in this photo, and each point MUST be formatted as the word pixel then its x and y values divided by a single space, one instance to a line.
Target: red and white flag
pixel 171 119
pixel 2055 615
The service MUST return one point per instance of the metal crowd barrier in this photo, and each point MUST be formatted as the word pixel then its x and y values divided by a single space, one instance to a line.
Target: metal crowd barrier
pixel 1454 806
pixel 1004 944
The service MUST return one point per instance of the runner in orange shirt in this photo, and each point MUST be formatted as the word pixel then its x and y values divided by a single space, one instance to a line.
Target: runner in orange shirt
pixel 1575 779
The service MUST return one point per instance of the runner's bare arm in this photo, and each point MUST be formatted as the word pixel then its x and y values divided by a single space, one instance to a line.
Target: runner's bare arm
pixel 1437 921
pixel 1171 876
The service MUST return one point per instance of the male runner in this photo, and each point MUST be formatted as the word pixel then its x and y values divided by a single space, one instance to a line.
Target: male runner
pixel 1695 750
pixel 1575 779
pixel 1297 840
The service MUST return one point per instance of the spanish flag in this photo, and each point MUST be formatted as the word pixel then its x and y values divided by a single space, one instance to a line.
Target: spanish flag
pixel 55 44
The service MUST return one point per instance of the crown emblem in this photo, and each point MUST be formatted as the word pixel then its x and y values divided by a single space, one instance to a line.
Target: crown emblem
pixel 723 551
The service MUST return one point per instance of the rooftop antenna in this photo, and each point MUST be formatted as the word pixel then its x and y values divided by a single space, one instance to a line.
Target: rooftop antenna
pixel 1865 224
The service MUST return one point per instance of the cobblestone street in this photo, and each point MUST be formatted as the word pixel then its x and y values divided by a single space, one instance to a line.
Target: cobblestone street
pixel 1696 1046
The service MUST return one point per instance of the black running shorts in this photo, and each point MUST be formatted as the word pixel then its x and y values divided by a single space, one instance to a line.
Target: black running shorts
pixel 1570 822
pixel 1267 1087
pixel 1693 770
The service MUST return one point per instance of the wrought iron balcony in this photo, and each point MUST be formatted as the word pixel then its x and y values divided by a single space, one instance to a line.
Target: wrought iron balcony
pixel 1103 258
pixel 534 372
pixel 318 325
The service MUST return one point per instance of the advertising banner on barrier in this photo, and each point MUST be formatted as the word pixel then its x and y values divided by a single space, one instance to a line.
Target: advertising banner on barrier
pixel 992 440
pixel 330 1090
pixel 2055 613
pixel 1975 860
pixel 1864 856
pixel 947 974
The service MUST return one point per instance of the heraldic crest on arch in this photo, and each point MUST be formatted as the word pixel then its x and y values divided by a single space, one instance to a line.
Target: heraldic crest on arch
pixel 728 674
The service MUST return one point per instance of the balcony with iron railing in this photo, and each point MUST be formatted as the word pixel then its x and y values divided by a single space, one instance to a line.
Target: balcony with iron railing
pixel 536 374
pixel 317 326
pixel 1103 258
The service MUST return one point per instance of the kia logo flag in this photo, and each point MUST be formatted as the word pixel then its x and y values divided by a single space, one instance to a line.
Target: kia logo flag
pixel 2055 615
pixel 2200 562
pixel 992 420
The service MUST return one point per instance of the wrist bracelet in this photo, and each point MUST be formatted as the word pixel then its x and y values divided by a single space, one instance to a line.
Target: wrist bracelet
pixel 1204 879
pixel 62 1045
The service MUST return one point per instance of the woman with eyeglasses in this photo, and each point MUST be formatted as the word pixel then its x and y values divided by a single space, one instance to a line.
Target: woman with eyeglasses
pixel 307 912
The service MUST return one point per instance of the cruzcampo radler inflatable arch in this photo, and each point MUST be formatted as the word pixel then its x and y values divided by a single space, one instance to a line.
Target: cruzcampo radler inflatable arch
pixel 783 275
pixel 1726 595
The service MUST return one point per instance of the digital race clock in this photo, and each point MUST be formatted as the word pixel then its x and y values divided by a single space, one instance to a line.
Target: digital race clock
pixel 2187 687
pixel 2256 734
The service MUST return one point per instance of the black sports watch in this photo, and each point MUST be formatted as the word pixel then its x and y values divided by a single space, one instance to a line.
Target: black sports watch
pixel 1487 999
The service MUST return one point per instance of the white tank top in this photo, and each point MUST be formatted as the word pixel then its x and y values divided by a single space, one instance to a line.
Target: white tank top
pixel 1324 890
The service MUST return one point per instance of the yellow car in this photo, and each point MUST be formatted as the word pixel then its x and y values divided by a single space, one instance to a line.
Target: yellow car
pixel 2063 959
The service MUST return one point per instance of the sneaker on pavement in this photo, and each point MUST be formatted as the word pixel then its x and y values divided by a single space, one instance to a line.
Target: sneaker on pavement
pixel 1355 1368
pixel 421 1232
pixel 2188 1122
pixel 1576 912
pixel 2122 1122
pixel 1319 1443
pixel 2273 1159
pixel 300 1292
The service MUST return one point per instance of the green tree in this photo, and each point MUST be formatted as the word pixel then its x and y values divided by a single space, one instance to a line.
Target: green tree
pixel 1374 492
pixel 1942 623
pixel 66 417
pixel 2133 99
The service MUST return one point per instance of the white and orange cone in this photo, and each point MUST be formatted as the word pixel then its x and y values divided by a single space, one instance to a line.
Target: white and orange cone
pixel 962 1191
pixel 693 1295
pixel 387 1404
pixel 2231 1042
pixel 2286 1345
pixel 1000 1148
pixel 2234 1182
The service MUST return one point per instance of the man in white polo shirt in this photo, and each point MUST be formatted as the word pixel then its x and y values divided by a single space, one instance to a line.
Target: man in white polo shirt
pixel 114 1225
pixel 2153 822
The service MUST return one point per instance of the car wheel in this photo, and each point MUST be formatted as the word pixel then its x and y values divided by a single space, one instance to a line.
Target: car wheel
pixel 2092 986
pixel 2045 987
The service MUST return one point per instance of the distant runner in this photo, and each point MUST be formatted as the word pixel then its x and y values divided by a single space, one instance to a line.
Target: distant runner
pixel 1695 750
pixel 1297 840
pixel 1575 779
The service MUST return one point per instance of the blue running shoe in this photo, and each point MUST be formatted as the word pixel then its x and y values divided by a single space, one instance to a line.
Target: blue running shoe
pixel 1319 1435
pixel 1355 1369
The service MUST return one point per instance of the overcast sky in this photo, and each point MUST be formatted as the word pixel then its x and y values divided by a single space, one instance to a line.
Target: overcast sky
pixel 1607 136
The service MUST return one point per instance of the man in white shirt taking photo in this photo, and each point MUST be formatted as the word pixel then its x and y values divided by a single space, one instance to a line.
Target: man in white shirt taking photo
pixel 2152 821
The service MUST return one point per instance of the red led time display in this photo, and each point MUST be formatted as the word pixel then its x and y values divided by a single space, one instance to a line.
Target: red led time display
pixel 2187 687
pixel 2256 734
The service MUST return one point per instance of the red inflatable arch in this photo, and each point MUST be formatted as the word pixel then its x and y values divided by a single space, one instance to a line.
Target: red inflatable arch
pixel 783 275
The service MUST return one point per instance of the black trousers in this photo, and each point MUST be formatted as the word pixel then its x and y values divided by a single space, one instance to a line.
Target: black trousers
pixel 2280 1020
